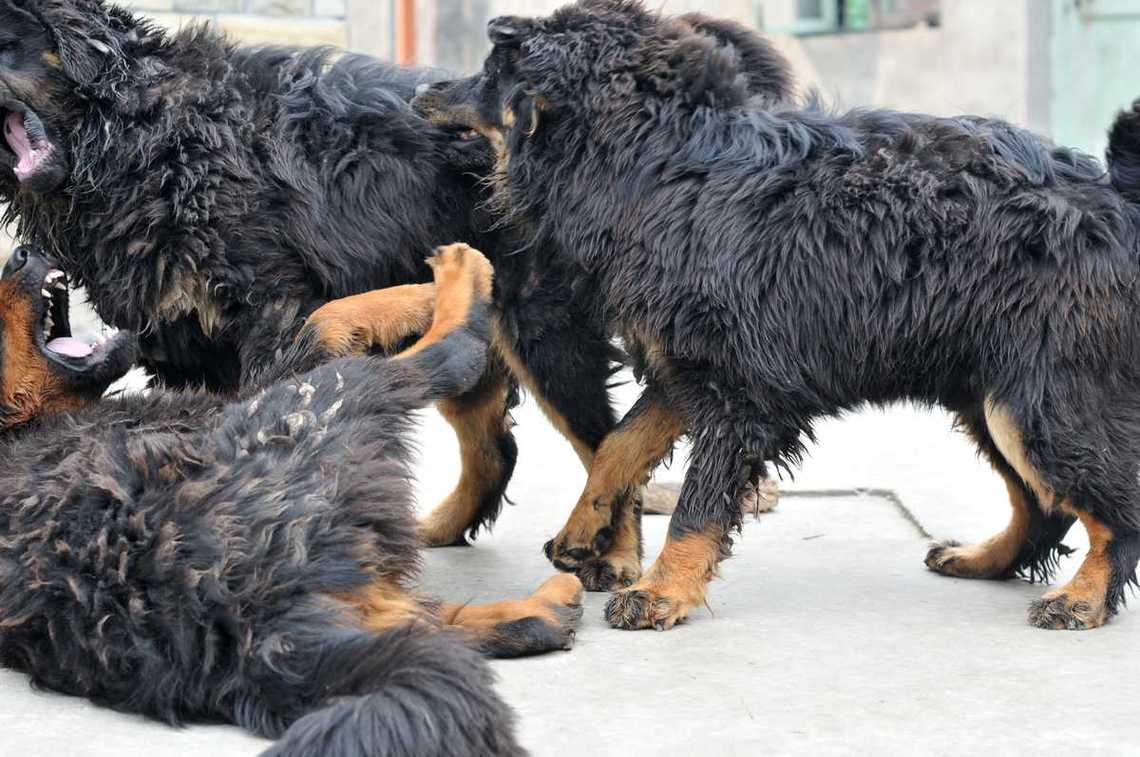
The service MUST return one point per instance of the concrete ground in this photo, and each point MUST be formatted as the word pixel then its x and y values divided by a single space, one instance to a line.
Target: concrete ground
pixel 825 635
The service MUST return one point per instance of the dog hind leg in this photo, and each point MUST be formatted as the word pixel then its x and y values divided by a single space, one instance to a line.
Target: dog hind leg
pixel 1076 468
pixel 1029 546
pixel 482 424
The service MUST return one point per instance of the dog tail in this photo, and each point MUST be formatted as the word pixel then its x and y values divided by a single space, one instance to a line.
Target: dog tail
pixel 407 692
pixel 1124 153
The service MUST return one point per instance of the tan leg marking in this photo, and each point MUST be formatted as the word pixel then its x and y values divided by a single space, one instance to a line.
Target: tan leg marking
pixel 676 584
pixel 479 422
pixel 623 464
pixel 993 557
pixel 1007 438
pixel 543 621
pixel 462 275
pixel 374 320
pixel 620 565
pixel 1081 603
pixel 384 604
pixel 559 590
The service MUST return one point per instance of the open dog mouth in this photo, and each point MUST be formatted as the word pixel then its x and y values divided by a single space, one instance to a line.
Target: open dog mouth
pixel 25 140
pixel 55 339
pixel 55 332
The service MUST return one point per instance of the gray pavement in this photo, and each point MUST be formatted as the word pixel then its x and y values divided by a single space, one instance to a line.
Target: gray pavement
pixel 825 634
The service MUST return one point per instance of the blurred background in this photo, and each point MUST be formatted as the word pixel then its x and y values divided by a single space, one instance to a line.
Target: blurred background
pixel 1060 67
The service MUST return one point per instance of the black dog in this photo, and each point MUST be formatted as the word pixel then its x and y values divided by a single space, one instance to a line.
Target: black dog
pixel 769 267
pixel 601 542
pixel 211 197
pixel 186 558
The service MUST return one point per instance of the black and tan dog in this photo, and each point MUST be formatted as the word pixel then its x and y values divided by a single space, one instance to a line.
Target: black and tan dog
pixel 211 197
pixel 189 558
pixel 772 266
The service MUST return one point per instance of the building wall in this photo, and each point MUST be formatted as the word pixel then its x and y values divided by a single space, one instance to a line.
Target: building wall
pixel 1095 49
pixel 293 22
pixel 976 61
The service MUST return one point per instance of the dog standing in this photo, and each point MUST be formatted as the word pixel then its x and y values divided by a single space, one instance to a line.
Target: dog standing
pixel 768 267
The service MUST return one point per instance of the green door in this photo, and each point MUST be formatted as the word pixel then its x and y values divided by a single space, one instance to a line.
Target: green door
pixel 1095 46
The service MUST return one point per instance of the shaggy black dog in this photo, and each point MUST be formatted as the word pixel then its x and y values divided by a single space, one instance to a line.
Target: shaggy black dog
pixel 772 266
pixel 189 558
pixel 211 197
pixel 606 518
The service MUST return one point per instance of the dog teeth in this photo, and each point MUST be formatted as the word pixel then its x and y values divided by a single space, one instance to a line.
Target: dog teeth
pixel 46 294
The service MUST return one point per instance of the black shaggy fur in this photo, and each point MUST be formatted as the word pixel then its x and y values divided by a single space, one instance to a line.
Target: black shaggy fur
pixel 774 266
pixel 180 555
pixel 212 196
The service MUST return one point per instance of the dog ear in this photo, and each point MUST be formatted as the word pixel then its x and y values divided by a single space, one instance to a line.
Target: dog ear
pixel 511 31
pixel 82 59
pixel 85 35
pixel 768 72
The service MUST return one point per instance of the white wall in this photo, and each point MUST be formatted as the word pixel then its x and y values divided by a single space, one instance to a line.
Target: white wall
pixel 976 62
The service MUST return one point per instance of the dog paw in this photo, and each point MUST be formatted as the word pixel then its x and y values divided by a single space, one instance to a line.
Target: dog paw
pixel 435 531
pixel 547 621
pixel 609 572
pixel 569 552
pixel 942 556
pixel 640 608
pixel 1062 613
pixel 462 266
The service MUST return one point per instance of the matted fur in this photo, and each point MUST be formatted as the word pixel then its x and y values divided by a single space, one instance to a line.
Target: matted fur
pixel 771 266
pixel 211 196
pixel 184 556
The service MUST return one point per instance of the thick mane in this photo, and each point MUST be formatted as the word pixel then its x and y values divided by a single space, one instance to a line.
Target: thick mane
pixel 250 172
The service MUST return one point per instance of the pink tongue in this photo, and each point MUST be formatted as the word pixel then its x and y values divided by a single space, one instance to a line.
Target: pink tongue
pixel 18 140
pixel 66 345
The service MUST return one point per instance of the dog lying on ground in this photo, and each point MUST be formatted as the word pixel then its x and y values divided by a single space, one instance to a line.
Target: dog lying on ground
pixel 191 558
pixel 768 267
